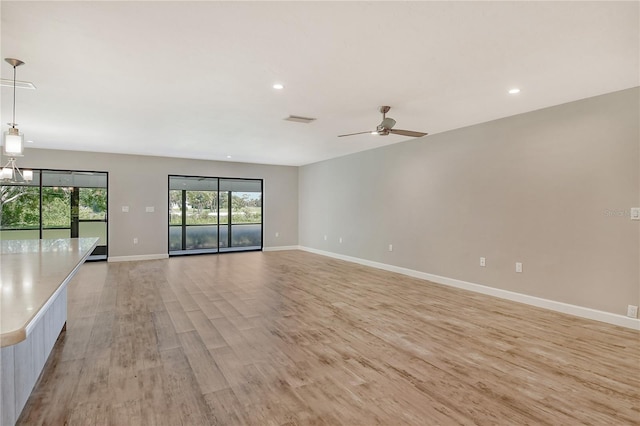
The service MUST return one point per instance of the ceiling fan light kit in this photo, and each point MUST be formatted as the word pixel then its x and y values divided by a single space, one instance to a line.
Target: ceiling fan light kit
pixel 386 127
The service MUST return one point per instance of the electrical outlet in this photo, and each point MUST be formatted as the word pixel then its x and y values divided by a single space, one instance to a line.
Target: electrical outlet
pixel 483 261
pixel 277 234
pixel 632 311
pixel 518 267
pixel 125 209
pixel 340 240
pixel 135 240
pixel 635 213
pixel 390 247
pixel 325 238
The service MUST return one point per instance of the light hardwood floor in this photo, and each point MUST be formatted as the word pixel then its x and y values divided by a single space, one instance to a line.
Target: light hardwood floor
pixel 287 338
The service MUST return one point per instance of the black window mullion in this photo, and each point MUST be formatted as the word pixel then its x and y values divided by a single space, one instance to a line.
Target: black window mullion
pixel 40 218
pixel 184 219
pixel 229 216
pixel 75 212
pixel 218 212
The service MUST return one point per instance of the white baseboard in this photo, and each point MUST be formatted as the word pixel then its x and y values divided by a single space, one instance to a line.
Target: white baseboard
pixel 565 308
pixel 137 257
pixel 281 248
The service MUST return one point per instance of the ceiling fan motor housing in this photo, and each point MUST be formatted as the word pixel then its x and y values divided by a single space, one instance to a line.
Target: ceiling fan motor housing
pixel 386 124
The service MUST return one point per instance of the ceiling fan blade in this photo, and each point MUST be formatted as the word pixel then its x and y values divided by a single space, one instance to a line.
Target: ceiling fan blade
pixel 407 133
pixel 351 134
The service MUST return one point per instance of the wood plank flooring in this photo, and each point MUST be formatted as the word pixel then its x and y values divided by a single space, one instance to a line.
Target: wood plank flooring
pixel 293 338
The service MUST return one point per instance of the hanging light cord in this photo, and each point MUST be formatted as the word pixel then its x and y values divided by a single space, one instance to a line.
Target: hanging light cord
pixel 13 121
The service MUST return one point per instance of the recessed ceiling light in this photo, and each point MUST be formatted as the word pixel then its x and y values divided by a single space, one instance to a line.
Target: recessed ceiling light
pixel 278 86
pixel 514 91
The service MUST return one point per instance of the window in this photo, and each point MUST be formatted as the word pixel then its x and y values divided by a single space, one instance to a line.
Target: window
pixel 211 215
pixel 20 213
pixel 57 204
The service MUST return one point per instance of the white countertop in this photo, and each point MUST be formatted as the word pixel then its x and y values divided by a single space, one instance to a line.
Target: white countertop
pixel 31 272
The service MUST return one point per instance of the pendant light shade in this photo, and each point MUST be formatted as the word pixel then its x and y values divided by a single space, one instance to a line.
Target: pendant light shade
pixel 13 143
pixel 7 173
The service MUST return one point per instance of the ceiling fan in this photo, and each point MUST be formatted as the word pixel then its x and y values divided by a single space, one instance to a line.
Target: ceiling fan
pixel 386 127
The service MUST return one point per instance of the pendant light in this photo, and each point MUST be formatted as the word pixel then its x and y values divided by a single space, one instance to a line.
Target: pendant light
pixel 13 140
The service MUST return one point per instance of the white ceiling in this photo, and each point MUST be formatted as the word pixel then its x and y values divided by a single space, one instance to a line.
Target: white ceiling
pixel 194 79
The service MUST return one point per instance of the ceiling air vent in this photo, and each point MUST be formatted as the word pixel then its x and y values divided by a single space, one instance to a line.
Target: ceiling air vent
pixel 300 119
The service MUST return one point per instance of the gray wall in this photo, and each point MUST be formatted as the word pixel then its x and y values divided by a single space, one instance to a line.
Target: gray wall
pixel 551 189
pixel 140 181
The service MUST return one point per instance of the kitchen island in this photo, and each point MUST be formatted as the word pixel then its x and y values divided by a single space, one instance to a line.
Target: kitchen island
pixel 33 311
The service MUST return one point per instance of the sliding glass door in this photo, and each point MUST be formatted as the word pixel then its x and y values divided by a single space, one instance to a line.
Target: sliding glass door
pixel 242 216
pixel 57 204
pixel 211 215
pixel 193 214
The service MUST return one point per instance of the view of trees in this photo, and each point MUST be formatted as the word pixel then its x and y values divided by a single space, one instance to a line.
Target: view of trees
pixel 210 208
pixel 202 207
pixel 21 206
pixel 93 203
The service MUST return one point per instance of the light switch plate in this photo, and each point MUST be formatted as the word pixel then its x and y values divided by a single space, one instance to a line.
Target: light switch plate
pixel 125 209
pixel 150 209
pixel 635 213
